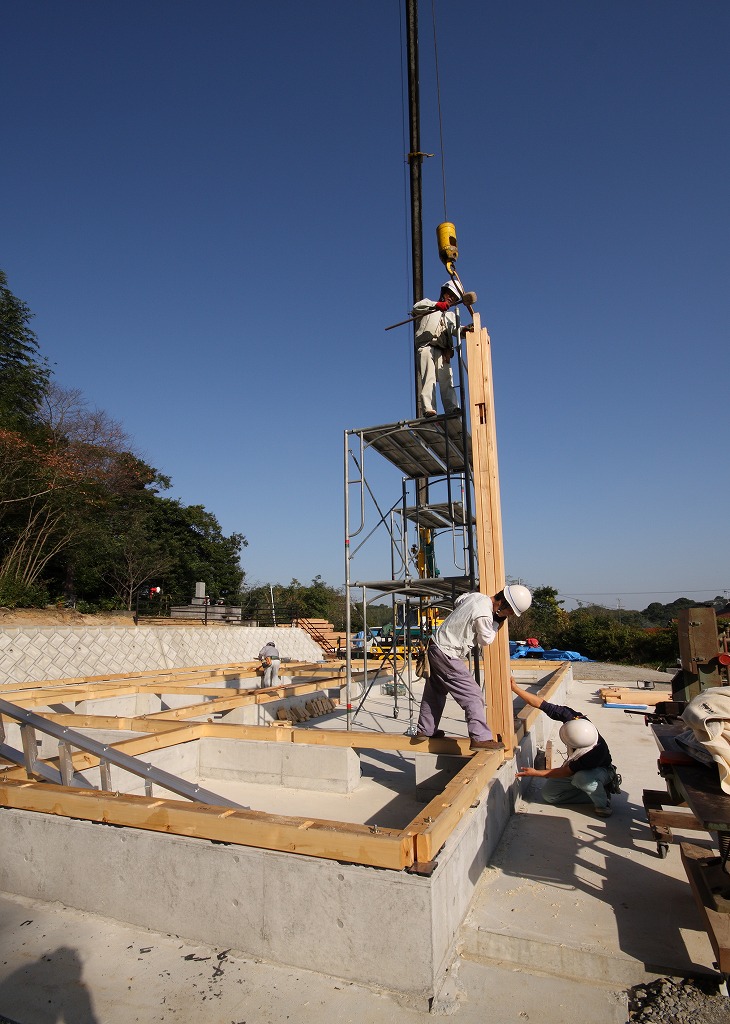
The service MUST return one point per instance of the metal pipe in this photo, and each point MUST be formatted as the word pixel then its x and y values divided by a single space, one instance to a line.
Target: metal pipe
pixel 104 752
pixel 348 617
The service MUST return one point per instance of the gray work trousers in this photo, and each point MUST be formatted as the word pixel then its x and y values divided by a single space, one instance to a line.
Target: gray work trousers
pixel 451 676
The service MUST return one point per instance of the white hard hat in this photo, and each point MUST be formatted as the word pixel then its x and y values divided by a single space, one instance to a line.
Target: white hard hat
pixel 455 289
pixel 518 597
pixel 578 732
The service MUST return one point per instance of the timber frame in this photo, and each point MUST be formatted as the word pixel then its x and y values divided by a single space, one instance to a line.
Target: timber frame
pixel 412 848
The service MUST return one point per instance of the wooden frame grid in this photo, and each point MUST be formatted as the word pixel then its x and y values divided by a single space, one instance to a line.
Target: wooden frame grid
pixel 412 847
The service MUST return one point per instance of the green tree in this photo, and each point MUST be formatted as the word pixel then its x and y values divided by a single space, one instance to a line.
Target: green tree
pixel 24 373
pixel 544 619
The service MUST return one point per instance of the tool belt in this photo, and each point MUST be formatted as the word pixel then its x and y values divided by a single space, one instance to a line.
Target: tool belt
pixel 423 668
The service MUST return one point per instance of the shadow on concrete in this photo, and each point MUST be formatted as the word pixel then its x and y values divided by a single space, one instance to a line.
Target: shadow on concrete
pixel 49 991
pixel 622 893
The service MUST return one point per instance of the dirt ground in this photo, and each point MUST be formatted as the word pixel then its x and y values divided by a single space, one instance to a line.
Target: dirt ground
pixel 13 617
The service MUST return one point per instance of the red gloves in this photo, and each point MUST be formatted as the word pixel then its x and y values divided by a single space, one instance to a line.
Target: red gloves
pixel 443 306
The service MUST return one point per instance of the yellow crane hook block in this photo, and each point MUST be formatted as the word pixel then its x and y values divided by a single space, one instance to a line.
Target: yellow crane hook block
pixel 448 247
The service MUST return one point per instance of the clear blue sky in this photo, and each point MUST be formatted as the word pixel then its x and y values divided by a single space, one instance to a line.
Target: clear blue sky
pixel 204 204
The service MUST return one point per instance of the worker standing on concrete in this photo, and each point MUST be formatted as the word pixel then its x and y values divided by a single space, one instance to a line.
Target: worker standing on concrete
pixel 435 334
pixel 476 618
pixel 587 774
pixel 270 660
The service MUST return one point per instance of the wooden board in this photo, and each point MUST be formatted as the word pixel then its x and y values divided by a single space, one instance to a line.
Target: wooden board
pixel 489 525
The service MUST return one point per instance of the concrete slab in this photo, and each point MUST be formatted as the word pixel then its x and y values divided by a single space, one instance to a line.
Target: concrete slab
pixel 571 894
pixel 60 964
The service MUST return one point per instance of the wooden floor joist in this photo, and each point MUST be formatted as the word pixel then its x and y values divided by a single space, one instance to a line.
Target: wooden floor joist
pixel 395 849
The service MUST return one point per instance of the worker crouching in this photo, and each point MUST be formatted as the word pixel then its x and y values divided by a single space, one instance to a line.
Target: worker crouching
pixel 587 774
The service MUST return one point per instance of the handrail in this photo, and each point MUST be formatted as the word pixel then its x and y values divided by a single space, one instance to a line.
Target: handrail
pixel 107 755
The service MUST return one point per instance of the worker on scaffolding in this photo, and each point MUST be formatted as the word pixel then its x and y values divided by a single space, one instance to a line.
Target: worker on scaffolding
pixel 436 329
pixel 476 619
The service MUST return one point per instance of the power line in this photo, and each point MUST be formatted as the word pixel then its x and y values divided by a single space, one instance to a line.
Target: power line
pixel 677 590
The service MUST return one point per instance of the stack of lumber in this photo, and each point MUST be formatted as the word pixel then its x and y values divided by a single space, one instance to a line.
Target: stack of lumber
pixel 633 695
pixel 311 709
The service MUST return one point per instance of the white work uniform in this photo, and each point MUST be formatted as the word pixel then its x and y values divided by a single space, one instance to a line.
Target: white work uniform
pixel 471 622
pixel 434 340
pixel 269 653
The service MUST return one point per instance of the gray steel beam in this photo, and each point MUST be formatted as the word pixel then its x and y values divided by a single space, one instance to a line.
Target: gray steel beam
pixel 112 756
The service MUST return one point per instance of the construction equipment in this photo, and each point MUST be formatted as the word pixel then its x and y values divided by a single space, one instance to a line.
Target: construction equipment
pixel 699 651
pixel 447 245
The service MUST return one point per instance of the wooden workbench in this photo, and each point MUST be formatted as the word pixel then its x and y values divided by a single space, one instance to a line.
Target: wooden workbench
pixel 698 786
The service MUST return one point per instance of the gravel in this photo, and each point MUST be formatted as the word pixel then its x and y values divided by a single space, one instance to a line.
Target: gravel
pixel 628 674
pixel 684 1001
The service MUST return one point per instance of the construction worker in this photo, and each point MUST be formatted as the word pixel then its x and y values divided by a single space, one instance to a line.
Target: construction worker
pixel 434 347
pixel 587 774
pixel 270 661
pixel 476 618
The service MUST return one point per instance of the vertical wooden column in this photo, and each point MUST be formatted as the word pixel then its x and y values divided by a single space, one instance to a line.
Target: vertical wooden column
pixel 488 513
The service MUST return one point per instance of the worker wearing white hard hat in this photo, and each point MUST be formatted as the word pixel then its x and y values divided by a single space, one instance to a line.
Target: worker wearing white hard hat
pixel 587 774
pixel 476 619
pixel 436 329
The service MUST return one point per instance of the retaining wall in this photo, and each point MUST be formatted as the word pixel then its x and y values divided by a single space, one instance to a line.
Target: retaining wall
pixel 29 654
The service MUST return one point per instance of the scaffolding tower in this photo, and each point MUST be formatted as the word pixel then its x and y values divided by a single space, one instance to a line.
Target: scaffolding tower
pixel 452 461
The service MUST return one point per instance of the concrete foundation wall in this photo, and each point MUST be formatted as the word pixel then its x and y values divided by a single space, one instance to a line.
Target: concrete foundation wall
pixel 294 765
pixel 360 924
pixel 375 927
pixel 33 654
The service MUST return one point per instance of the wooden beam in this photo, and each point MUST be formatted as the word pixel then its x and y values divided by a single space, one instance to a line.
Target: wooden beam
pixel 440 817
pixel 489 525
pixel 357 844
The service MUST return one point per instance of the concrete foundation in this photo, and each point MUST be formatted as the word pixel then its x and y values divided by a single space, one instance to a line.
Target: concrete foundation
pixel 388 929
pixel 383 928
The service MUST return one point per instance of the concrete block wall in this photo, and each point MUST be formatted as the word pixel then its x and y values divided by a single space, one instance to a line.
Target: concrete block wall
pixel 34 653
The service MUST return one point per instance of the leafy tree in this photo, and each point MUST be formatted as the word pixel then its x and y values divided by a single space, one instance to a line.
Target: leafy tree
pixel 545 617
pixel 198 549
pixel 24 373
pixel 317 601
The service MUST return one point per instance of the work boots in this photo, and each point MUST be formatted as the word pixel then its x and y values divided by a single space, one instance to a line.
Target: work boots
pixel 487 744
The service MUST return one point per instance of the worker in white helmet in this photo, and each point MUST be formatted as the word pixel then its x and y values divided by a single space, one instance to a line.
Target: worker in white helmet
pixel 587 774
pixel 476 619
pixel 435 333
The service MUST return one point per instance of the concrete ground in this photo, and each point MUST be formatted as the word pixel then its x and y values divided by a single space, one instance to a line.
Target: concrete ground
pixel 572 911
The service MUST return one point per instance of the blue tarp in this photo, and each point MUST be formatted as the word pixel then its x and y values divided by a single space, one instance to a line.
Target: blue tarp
pixel 524 651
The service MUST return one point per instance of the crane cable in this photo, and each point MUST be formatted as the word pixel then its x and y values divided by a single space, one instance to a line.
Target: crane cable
pixel 438 104
pixel 403 104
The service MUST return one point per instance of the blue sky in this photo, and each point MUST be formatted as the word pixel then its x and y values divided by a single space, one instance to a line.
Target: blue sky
pixel 205 207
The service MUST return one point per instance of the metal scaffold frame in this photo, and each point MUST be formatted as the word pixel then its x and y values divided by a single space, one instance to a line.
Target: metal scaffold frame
pixel 431 453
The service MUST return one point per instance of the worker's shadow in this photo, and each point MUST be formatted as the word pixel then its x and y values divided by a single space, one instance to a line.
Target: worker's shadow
pixel 49 991
pixel 568 850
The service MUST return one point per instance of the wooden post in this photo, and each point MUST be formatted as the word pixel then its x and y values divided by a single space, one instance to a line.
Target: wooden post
pixel 488 513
